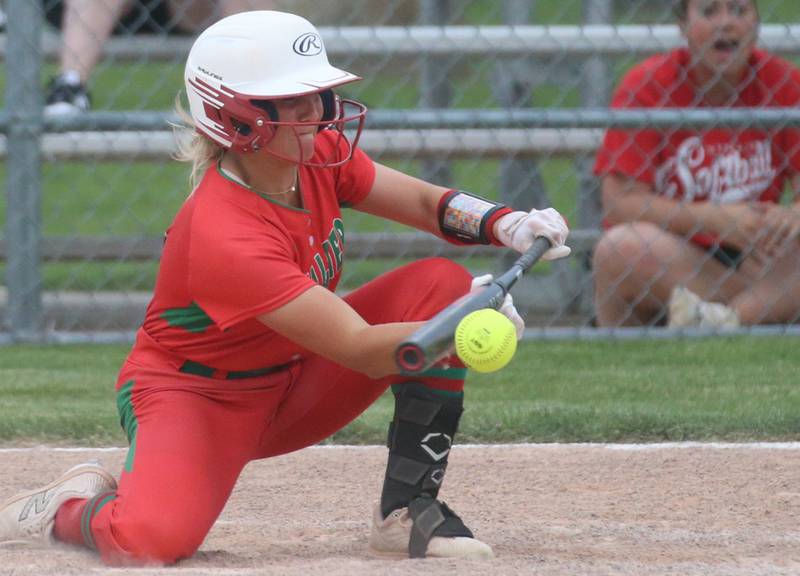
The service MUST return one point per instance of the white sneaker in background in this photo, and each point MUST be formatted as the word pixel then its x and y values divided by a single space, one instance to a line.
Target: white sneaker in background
pixel 687 309
pixel 30 516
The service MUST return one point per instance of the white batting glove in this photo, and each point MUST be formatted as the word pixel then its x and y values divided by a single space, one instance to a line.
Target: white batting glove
pixel 518 230
pixel 507 309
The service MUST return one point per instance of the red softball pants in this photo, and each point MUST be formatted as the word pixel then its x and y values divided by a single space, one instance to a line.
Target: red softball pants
pixel 191 436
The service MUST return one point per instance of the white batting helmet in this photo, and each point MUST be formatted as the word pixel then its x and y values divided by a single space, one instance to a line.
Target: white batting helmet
pixel 237 65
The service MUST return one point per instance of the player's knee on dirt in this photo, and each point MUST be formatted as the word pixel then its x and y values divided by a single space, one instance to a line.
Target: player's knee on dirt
pixel 159 541
pixel 420 436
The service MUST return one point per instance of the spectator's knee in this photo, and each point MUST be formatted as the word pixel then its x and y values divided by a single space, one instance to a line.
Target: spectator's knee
pixel 624 244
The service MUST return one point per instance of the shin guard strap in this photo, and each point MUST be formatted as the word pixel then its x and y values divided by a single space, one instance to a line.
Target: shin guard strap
pixel 412 472
pixel 427 516
pixel 432 518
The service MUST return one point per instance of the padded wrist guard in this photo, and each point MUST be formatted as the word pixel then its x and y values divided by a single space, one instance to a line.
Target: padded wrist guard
pixel 467 218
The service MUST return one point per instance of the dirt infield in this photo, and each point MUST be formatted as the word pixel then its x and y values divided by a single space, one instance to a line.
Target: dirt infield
pixel 546 509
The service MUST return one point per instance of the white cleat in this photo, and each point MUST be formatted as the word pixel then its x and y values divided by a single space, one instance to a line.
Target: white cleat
pixel 390 537
pixel 687 309
pixel 30 516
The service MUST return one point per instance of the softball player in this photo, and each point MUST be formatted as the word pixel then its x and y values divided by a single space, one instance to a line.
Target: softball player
pixel 246 351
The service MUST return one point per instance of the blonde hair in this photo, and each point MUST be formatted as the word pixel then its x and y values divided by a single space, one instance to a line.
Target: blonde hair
pixel 193 147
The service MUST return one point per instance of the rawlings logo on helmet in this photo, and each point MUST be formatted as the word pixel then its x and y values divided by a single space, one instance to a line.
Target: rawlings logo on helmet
pixel 309 44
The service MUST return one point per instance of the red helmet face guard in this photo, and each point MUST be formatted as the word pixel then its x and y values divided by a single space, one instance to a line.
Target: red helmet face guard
pixel 246 127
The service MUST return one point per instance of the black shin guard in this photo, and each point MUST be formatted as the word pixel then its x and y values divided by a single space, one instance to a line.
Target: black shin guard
pixel 420 436
pixel 421 433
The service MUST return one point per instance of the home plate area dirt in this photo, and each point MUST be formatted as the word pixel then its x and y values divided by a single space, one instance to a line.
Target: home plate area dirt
pixel 545 509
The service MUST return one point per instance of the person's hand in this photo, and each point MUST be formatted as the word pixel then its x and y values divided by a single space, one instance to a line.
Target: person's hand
pixel 742 226
pixel 781 230
pixel 518 230
pixel 507 309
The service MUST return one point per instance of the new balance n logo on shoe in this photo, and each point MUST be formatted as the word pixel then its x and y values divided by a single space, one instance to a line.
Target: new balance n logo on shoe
pixel 30 515
pixel 38 502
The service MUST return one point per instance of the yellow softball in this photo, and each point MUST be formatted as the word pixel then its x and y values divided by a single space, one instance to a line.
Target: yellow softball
pixel 485 340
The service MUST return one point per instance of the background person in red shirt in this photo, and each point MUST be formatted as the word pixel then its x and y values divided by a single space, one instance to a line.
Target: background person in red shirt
pixel 246 351
pixel 693 216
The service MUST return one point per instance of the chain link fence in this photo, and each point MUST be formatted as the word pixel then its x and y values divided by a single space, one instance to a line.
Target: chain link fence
pixel 505 98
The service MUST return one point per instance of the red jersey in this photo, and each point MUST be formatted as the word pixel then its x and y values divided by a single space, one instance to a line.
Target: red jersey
pixel 718 164
pixel 232 254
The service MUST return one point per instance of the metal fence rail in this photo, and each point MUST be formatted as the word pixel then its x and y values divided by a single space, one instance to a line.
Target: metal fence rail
pixel 137 146
pixel 141 136
pixel 469 118
pixel 519 40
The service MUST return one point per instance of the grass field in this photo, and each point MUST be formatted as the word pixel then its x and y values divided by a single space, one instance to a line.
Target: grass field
pixel 698 389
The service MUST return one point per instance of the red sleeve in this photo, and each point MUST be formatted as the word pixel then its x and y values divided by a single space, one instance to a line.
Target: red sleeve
pixel 240 268
pixel 789 96
pixel 354 178
pixel 631 152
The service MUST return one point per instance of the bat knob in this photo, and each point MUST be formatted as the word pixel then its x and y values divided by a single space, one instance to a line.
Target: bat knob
pixel 410 358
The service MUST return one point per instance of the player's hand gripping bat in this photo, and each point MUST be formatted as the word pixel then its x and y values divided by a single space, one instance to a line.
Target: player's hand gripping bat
pixel 434 339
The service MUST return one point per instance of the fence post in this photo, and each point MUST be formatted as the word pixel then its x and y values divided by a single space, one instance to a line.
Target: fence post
pixel 521 183
pixel 23 170
pixel 520 180
pixel 435 87
pixel 595 93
